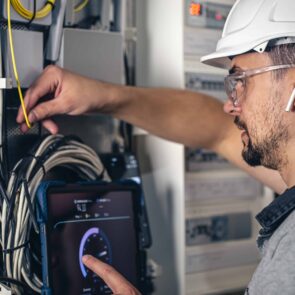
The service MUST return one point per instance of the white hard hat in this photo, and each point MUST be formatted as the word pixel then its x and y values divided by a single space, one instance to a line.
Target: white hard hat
pixel 254 25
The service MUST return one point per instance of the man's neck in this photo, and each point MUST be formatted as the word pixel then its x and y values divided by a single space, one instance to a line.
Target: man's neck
pixel 287 171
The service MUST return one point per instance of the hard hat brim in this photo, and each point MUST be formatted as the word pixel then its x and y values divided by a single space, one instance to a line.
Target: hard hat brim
pixel 221 58
pixel 216 60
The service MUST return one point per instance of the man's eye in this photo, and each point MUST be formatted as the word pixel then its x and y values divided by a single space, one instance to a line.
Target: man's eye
pixel 240 83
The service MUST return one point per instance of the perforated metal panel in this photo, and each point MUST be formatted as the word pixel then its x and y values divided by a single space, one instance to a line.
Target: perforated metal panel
pixel 15 144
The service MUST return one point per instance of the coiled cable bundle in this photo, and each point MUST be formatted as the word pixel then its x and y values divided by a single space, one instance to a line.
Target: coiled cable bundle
pixel 27 14
pixel 18 219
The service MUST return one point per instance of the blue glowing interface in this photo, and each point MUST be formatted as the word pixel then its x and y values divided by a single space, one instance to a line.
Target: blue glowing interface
pixel 98 223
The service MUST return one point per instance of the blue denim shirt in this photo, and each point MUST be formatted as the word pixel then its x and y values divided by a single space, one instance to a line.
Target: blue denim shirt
pixel 274 214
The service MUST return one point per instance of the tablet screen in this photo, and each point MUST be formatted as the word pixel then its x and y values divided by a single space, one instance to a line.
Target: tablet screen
pixel 100 223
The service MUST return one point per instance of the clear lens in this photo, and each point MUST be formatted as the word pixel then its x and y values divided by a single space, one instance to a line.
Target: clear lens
pixel 234 87
pixel 230 84
pixel 240 89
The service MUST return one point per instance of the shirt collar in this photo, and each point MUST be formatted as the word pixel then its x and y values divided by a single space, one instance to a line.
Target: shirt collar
pixel 277 211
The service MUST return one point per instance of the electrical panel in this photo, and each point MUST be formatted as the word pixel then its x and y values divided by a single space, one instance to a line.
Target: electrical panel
pixel 200 261
pixel 28 50
pixel 210 84
pixel 204 160
pixel 221 186
pixel 92 53
pixel 204 82
pixel 95 11
pixel 206 14
pixel 219 228
pixel 217 241
pixel 202 204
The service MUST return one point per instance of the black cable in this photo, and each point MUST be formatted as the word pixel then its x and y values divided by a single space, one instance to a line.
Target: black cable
pixel 2 174
pixel 6 231
pixel 12 199
pixel 20 172
pixel 40 162
pixel 50 3
pixel 34 14
pixel 11 206
pixel 30 206
pixel 126 67
pixel 51 149
pixel 3 192
pixel 126 128
pixel 5 251
pixel 82 175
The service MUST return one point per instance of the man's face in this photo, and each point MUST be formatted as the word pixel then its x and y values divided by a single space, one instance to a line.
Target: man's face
pixel 260 113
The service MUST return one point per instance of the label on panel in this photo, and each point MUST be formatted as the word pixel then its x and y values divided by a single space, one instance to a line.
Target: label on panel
pixel 219 228
pixel 205 186
pixel 201 260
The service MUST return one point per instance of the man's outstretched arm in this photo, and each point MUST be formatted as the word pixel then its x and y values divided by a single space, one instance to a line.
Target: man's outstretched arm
pixel 190 118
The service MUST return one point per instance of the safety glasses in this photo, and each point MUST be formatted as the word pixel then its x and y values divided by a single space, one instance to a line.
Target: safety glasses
pixel 235 84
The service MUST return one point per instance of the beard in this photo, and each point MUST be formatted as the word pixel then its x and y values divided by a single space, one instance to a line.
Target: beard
pixel 267 151
pixel 252 155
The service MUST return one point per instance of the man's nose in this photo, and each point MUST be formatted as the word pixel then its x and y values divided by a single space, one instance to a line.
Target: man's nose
pixel 230 109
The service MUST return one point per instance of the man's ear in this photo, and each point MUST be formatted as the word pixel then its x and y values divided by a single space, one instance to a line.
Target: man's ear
pixel 290 105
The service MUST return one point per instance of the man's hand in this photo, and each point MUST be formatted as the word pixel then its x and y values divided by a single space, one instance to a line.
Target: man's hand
pixel 69 94
pixel 116 282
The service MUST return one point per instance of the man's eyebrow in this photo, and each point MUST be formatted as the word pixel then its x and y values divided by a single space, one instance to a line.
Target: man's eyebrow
pixel 234 69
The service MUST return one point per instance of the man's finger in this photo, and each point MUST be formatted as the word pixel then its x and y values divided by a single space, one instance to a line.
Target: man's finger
pixel 116 282
pixel 46 83
pixel 24 128
pixel 45 110
pixel 50 125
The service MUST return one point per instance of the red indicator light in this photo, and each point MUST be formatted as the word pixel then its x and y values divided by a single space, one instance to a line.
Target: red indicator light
pixel 195 9
pixel 218 16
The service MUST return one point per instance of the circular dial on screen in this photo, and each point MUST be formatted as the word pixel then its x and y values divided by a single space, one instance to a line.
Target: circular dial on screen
pixel 95 243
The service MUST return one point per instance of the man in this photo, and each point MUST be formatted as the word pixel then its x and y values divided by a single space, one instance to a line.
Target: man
pixel 258 45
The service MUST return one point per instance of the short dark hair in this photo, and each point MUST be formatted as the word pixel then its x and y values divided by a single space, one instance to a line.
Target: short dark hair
pixel 280 55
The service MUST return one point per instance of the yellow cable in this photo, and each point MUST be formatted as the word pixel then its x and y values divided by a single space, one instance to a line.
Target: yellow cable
pixel 14 65
pixel 80 6
pixel 27 14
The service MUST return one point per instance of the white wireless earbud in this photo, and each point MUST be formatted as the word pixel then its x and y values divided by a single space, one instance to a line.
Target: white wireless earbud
pixel 290 102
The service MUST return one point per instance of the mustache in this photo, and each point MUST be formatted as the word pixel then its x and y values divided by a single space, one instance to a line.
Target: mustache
pixel 240 124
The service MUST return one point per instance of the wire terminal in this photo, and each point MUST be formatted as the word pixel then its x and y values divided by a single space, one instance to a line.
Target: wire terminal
pixel 5 83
